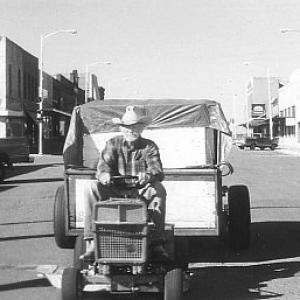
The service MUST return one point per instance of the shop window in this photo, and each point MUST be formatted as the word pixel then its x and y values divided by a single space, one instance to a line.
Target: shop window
pixel 293 111
pixel 14 127
pixel 24 85
pixel 290 130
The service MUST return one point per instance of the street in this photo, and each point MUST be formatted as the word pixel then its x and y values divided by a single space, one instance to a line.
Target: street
pixel 269 269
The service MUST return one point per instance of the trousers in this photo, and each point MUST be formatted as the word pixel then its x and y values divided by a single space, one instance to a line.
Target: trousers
pixel 153 193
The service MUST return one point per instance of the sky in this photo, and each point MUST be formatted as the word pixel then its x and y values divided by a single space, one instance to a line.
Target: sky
pixel 194 49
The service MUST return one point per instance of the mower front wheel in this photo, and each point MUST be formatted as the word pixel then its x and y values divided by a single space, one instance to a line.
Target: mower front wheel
pixel 71 288
pixel 173 289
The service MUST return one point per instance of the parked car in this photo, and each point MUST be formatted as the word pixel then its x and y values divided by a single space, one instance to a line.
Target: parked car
pixel 259 142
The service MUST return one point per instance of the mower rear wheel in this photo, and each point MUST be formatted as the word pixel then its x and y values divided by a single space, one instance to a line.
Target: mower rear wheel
pixel 59 221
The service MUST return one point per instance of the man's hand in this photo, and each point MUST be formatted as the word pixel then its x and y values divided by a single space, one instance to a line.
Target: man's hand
pixel 144 178
pixel 104 178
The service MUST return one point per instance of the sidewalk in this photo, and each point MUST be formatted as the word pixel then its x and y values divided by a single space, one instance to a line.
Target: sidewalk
pixel 46 159
pixel 290 149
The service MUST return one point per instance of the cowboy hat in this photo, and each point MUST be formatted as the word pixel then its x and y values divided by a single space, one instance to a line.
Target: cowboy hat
pixel 133 115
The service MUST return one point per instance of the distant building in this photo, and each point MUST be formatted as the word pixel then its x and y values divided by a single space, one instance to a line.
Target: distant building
pixel 18 87
pixel 261 106
pixel 62 95
pixel 91 87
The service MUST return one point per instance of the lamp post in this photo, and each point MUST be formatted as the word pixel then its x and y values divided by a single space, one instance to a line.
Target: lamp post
pixel 86 81
pixel 287 30
pixel 269 98
pixel 43 37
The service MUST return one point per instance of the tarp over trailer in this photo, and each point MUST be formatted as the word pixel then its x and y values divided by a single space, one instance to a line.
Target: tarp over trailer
pixel 189 134
pixel 89 121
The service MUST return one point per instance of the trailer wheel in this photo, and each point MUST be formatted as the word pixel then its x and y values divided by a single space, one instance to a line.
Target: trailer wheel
pixel 239 218
pixel 71 285
pixel 273 146
pixel 79 249
pixel 173 285
pixel 59 221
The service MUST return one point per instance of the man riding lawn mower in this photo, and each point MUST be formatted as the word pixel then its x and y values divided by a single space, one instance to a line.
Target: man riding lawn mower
pixel 112 208
pixel 135 159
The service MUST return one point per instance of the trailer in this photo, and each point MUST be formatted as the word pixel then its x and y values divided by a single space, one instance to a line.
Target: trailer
pixel 194 138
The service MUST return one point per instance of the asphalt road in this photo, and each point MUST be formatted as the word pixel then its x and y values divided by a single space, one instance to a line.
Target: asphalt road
pixel 269 269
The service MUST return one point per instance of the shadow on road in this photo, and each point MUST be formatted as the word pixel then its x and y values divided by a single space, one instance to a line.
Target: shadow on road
pixel 41 282
pixel 221 273
pixel 17 181
pixel 4 188
pixel 25 168
pixel 269 240
pixel 238 283
pixel 25 237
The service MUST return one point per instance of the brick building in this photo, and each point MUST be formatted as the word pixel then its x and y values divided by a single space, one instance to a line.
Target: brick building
pixel 19 79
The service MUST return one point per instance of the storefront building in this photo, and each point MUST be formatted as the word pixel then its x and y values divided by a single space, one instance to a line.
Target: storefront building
pixel 19 78
pixel 262 103
pixel 289 110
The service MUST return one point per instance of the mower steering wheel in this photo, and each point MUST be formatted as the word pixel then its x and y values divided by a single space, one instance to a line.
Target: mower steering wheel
pixel 125 181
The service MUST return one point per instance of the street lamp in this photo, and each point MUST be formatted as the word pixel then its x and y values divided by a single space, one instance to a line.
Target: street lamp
pixel 87 76
pixel 247 63
pixel 287 30
pixel 43 37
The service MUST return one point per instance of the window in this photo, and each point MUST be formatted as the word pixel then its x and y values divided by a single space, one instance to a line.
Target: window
pixel 25 83
pixel 14 127
pixel 19 83
pixel 290 130
pixel 9 79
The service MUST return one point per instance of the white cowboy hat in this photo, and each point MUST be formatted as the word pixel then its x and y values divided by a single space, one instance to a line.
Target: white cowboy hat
pixel 133 115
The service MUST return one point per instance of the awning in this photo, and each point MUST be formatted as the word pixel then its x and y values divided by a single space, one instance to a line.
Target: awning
pixel 58 111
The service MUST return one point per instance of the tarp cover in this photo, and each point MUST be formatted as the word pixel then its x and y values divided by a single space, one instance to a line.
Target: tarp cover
pixel 95 117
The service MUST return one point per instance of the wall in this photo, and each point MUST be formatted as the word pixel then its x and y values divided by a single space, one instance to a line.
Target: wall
pixel 2 72
pixel 289 96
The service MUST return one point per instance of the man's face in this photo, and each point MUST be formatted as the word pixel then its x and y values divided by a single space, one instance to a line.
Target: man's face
pixel 132 132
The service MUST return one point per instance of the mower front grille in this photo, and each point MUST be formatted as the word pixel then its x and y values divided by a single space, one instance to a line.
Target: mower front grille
pixel 121 243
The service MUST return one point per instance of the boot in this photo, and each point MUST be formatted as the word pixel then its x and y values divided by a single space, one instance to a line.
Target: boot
pixel 90 251
pixel 160 253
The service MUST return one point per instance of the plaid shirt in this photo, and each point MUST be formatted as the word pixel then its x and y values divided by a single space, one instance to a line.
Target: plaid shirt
pixel 121 158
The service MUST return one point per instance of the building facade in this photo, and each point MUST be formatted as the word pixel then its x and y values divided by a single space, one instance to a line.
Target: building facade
pixel 289 110
pixel 262 104
pixel 19 102
pixel 18 93
pixel 18 87
pixel 61 95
